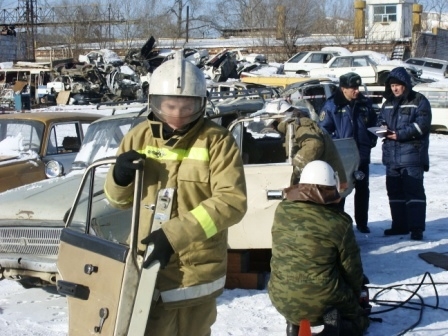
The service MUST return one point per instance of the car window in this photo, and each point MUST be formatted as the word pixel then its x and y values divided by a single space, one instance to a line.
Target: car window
pixel 102 139
pixel 105 221
pixel 415 62
pixel 84 126
pixel 64 138
pixel 360 62
pixel 315 58
pixel 260 141
pixel 433 65
pixel 315 95
pixel 297 57
pixel 20 135
pixel 341 62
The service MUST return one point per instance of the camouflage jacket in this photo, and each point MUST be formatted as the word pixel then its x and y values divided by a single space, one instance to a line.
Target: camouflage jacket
pixel 309 143
pixel 315 263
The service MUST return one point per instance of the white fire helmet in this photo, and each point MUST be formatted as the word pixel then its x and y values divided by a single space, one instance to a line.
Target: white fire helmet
pixel 178 80
pixel 277 106
pixel 319 172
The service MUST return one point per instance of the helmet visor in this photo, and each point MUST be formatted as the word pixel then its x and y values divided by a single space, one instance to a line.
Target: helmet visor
pixel 177 111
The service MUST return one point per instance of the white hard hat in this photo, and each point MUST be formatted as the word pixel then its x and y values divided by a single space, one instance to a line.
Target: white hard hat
pixel 178 78
pixel 277 106
pixel 319 172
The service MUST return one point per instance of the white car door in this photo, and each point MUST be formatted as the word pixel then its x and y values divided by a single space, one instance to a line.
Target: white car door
pixel 268 171
pixel 362 66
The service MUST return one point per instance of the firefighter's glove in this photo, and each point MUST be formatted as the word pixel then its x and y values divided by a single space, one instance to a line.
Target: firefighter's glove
pixel 125 167
pixel 162 250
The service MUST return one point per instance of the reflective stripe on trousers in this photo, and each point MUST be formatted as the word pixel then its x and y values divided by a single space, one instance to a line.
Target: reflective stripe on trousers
pixel 193 292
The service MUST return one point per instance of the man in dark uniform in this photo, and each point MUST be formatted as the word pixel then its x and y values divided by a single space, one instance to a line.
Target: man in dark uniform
pixel 348 114
pixel 406 115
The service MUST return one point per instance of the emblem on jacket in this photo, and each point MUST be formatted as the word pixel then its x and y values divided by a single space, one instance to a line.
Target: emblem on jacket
pixel 322 116
pixel 155 153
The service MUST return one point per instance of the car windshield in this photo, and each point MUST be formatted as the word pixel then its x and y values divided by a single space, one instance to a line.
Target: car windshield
pixel 19 136
pixel 102 140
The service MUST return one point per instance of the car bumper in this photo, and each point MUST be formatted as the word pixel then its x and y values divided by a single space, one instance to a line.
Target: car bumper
pixel 46 264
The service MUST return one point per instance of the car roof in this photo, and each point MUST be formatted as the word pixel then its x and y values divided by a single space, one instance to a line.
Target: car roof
pixel 427 59
pixel 52 116
pixel 122 116
pixel 435 86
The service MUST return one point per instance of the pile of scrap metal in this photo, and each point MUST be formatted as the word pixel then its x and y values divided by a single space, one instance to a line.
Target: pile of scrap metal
pixel 231 63
pixel 229 101
pixel 99 76
pixel 146 59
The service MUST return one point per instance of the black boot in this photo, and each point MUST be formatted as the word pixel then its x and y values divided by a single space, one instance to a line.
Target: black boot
pixel 332 321
pixel 291 329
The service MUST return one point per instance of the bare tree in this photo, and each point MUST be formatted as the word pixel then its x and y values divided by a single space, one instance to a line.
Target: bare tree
pixel 434 10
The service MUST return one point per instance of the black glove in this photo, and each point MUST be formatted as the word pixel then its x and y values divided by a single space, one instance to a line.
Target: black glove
pixel 162 248
pixel 124 169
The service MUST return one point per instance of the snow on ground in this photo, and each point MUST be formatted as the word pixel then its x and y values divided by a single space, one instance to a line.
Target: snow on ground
pixel 388 261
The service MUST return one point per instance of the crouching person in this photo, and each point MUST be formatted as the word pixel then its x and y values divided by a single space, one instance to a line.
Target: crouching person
pixel 316 269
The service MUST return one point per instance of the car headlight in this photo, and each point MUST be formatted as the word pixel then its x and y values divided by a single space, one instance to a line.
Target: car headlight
pixel 53 169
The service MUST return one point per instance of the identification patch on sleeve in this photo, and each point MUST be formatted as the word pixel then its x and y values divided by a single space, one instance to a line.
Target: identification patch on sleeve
pixel 322 116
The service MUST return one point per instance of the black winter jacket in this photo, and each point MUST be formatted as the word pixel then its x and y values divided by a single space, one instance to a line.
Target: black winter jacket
pixel 409 116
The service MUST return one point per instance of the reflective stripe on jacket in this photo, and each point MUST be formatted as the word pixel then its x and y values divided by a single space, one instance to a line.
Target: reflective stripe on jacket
pixel 205 167
pixel 409 116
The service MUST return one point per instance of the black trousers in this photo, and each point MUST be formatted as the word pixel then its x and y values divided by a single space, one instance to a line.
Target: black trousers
pixel 362 196
pixel 407 198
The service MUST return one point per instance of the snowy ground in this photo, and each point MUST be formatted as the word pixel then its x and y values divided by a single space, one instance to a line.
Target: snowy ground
pixel 388 261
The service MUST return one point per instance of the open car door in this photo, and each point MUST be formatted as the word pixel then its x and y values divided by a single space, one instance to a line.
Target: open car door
pixel 268 170
pixel 97 258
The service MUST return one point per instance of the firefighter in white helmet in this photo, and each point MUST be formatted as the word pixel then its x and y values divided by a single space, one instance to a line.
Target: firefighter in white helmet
pixel 201 160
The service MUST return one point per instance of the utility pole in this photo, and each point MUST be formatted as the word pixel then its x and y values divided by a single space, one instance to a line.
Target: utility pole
pixel 187 28
pixel 29 7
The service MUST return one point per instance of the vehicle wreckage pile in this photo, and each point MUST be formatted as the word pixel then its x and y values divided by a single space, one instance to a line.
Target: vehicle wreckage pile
pixel 102 76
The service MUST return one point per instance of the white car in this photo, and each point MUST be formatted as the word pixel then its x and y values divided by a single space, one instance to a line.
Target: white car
pixel 437 94
pixel 435 69
pixel 370 71
pixel 302 62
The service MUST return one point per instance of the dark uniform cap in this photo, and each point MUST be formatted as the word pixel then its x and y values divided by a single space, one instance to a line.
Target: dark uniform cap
pixel 350 80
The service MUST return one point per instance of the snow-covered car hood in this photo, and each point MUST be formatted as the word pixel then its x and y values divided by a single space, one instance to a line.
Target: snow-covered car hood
pixel 44 200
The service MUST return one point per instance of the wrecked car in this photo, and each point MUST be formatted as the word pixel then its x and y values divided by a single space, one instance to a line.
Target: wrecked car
pixel 36 146
pixel 370 71
pixel 32 216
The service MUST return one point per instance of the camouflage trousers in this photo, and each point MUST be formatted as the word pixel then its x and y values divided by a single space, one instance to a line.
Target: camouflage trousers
pixel 311 307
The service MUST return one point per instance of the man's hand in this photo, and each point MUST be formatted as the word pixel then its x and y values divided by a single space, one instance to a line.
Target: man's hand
pixel 162 250
pixel 391 135
pixel 124 169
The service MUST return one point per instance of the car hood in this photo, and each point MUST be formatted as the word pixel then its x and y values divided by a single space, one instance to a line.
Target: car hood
pixel 14 157
pixel 45 200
